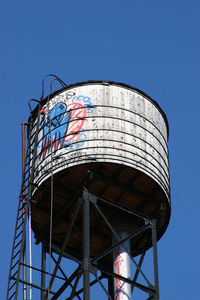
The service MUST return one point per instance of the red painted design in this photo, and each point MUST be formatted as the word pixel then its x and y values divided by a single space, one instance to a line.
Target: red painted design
pixel 78 114
pixel 119 284
pixel 42 111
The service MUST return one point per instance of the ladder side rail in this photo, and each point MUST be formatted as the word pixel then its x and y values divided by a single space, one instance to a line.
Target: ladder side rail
pixel 28 176
pixel 20 206
pixel 31 177
pixel 16 235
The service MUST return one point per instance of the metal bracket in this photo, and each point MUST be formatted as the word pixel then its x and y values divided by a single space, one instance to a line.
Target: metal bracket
pixel 86 264
pixel 147 221
pixel 153 223
pixel 93 270
pixel 91 197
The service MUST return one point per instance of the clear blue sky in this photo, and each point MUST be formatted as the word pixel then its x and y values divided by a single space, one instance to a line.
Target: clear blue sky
pixel 153 45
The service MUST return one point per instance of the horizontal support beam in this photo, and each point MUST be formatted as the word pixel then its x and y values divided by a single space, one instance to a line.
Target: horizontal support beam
pixel 124 279
pixel 34 285
pixel 131 236
pixel 121 207
pixel 44 272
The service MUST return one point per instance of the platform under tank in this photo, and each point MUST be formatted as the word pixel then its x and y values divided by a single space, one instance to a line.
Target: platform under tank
pixel 111 139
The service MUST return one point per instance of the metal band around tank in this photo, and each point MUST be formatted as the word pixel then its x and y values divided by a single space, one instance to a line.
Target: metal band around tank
pixel 97 122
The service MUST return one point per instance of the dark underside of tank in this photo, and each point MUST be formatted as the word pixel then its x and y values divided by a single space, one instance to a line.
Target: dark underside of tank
pixel 121 187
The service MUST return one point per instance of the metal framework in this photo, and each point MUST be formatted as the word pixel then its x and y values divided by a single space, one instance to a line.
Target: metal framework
pixel 69 286
pixel 52 285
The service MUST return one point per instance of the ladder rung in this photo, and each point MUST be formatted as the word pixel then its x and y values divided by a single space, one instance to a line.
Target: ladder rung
pixel 20 217
pixel 12 285
pixel 20 208
pixel 12 295
pixel 13 276
pixel 25 180
pixel 22 195
pixel 15 265
pixel 28 157
pixel 17 244
pixel 27 165
pixel 20 225
pixel 16 254
pixel 18 234
pixel 23 206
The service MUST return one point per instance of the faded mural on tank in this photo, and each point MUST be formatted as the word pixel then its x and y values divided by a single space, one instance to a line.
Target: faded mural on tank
pixel 63 124
pixel 62 128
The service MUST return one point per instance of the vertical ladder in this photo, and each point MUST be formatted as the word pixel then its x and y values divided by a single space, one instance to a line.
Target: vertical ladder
pixel 22 212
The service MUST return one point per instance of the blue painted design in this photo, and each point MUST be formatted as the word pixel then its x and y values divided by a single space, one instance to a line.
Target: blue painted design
pixel 86 102
pixel 55 127
pixel 69 146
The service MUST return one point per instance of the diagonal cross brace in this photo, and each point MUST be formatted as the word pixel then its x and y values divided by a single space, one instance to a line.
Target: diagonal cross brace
pixel 64 243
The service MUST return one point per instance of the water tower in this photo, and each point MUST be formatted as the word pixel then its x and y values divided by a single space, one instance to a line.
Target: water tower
pixel 95 189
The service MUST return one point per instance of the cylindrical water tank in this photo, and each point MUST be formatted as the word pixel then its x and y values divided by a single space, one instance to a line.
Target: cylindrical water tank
pixel 119 135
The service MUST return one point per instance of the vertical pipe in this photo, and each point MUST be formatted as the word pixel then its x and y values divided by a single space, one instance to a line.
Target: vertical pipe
pixel 155 258
pixel 121 266
pixel 43 265
pixel 23 211
pixel 30 253
pixel 86 246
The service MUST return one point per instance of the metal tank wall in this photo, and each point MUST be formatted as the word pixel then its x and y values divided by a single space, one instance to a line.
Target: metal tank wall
pixel 102 122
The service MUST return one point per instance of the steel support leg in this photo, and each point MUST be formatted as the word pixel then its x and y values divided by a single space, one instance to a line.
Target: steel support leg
pixel 155 258
pixel 111 287
pixel 86 246
pixel 121 266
